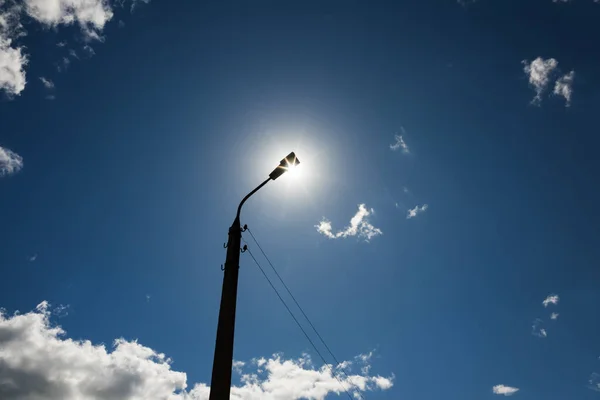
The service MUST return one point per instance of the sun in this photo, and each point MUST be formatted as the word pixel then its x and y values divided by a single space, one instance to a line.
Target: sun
pixel 294 170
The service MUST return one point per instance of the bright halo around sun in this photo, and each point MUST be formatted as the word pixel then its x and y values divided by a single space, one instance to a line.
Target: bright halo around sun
pixel 300 184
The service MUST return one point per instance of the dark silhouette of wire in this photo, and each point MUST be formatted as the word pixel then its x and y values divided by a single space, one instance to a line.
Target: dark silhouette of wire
pixel 298 323
pixel 357 389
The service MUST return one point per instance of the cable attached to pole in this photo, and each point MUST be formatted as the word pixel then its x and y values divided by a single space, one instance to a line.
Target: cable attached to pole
pixel 299 325
pixel 356 390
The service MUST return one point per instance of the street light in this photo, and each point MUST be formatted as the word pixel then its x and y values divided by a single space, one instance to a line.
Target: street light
pixel 220 383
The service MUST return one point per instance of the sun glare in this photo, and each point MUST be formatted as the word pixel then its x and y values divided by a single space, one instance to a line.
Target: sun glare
pixel 294 171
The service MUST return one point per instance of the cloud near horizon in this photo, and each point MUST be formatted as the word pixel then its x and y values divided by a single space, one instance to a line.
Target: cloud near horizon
pixel 57 367
pixel 359 226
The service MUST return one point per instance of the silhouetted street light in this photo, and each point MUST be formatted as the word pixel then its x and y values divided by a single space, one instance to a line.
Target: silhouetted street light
pixel 220 384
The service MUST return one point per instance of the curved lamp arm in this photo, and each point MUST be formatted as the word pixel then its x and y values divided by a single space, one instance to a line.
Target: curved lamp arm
pixel 239 210
pixel 284 165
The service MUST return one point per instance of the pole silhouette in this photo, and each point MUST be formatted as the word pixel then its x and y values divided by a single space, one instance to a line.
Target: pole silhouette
pixel 220 383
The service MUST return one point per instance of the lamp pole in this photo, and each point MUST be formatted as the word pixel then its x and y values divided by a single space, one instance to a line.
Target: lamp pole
pixel 220 384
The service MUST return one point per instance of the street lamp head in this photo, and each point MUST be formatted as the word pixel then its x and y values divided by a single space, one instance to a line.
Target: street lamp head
pixel 288 162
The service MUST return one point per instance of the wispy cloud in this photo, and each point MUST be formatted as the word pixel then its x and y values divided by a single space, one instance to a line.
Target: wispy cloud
pixel 33 258
pixel 413 212
pixel 539 72
pixel 135 3
pixel 551 299
pixel 365 361
pixel 505 390
pixel 359 226
pixel 48 84
pixel 537 328
pixel 237 366
pixel 564 87
pixel 61 310
pixel 87 49
pixel 554 316
pixel 66 369
pixel 148 298
pixel 10 162
pixel 399 143
pixel 594 382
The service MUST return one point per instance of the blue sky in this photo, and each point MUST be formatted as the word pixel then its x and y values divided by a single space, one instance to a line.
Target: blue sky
pixel 441 233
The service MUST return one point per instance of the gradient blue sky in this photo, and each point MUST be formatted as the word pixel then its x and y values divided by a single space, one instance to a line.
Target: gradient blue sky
pixel 131 175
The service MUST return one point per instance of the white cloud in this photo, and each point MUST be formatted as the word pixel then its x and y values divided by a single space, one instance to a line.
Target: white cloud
pixel 383 383
pixel 48 84
pixel 505 390
pixel 148 298
pixel 539 72
pixel 554 315
pixel 413 212
pixel 399 143
pixel 90 15
pixel 12 58
pixel 238 365
pixel 365 361
pixel 260 362
pixel 10 162
pixel 543 333
pixel 33 257
pixel 537 328
pixel 12 67
pixel 359 226
pixel 551 299
pixel 564 87
pixel 56 367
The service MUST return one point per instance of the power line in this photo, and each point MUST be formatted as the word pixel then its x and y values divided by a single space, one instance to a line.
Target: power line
pixel 357 389
pixel 298 323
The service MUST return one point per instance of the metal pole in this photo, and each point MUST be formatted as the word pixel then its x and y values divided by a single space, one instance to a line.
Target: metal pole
pixel 220 384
